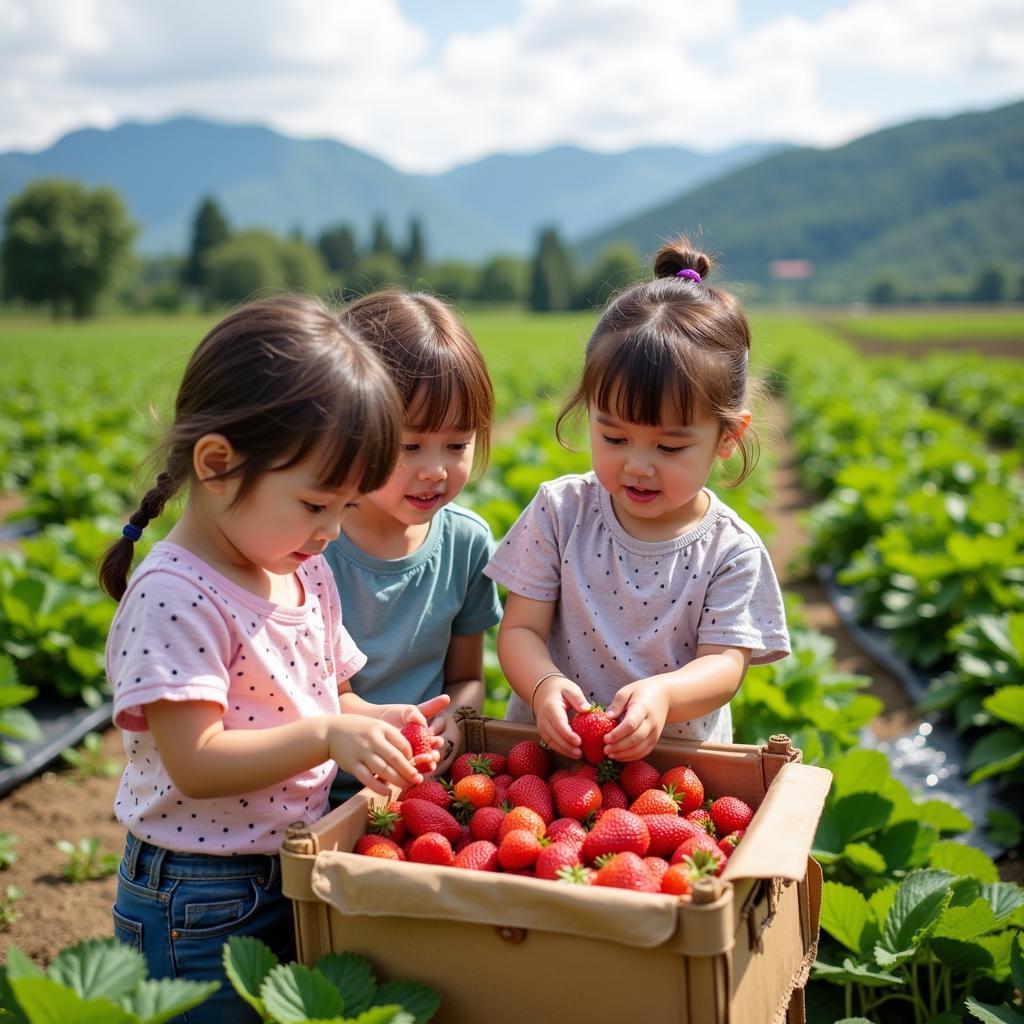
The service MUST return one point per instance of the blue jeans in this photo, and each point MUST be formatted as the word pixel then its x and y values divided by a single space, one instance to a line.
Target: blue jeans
pixel 178 910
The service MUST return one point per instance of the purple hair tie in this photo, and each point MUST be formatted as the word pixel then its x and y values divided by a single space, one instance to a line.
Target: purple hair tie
pixel 690 275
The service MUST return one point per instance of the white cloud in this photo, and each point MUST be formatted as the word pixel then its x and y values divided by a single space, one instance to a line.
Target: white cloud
pixel 602 73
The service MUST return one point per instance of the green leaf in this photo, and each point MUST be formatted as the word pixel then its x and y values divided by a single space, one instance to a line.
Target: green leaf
pixel 844 912
pixel 992 1014
pixel 418 1000
pixel 99 968
pixel 1017 964
pixel 19 966
pixel 1007 703
pixel 996 753
pixel 961 859
pixel 352 975
pixel 156 1001
pixel 967 922
pixel 914 913
pixel 943 816
pixel 1004 828
pixel 864 859
pixel 1004 897
pixel 860 771
pixel 8 1004
pixel 856 972
pixel 45 1001
pixel 382 1015
pixel 861 814
pixel 961 956
pixel 905 845
pixel 247 962
pixel 293 993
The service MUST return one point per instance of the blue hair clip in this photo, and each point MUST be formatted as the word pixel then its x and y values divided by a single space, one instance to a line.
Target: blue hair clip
pixel 132 532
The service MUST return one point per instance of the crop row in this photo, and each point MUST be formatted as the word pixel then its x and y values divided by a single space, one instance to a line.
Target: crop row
pixel 926 525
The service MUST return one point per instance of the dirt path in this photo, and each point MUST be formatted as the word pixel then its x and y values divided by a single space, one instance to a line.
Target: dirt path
pixel 788 501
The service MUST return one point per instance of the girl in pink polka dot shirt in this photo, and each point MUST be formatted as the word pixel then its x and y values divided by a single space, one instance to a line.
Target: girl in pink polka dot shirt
pixel 227 657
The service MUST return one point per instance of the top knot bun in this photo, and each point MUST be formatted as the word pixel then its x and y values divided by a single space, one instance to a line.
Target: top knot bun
pixel 681 255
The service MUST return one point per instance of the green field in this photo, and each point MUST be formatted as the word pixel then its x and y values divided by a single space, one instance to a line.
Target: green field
pixel 931 324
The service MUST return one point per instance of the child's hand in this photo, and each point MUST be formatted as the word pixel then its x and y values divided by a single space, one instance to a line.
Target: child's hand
pixel 448 734
pixel 372 750
pixel 400 715
pixel 642 709
pixel 550 701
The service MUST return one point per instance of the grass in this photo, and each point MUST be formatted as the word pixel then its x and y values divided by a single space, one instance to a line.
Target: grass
pixel 931 324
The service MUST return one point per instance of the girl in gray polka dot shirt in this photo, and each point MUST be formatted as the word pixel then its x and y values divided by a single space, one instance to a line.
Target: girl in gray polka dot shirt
pixel 635 586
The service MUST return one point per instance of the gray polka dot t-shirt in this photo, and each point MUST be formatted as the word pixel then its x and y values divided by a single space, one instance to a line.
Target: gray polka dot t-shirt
pixel 185 632
pixel 628 608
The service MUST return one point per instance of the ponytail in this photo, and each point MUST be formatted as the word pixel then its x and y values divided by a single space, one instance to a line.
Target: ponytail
pixel 117 560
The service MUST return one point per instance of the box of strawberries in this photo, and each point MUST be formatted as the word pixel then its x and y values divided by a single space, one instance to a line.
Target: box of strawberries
pixel 523 887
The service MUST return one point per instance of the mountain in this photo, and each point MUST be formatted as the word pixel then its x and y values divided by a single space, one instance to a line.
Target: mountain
pixel 257 176
pixel 925 201
pixel 580 190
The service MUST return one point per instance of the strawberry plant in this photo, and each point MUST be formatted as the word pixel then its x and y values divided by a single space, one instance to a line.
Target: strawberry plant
pixel 89 761
pixel 8 855
pixel 96 980
pixel 85 860
pixel 16 722
pixel 8 913
pixel 340 987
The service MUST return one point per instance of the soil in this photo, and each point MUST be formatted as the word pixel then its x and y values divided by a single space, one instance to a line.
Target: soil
pixel 997 348
pixel 55 913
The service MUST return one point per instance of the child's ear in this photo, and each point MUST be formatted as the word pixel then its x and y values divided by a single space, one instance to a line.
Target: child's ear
pixel 212 456
pixel 730 438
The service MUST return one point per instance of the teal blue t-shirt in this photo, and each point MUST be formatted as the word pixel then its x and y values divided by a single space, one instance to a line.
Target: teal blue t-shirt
pixel 402 612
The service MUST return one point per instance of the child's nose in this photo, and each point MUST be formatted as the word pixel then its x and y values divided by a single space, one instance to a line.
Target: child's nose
pixel 637 465
pixel 433 470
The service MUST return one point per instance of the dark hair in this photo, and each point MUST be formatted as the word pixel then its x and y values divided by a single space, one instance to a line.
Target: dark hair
pixel 279 378
pixel 674 343
pixel 433 360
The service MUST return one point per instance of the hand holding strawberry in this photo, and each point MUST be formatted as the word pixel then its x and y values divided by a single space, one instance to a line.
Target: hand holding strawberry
pixel 642 710
pixel 411 721
pixel 553 698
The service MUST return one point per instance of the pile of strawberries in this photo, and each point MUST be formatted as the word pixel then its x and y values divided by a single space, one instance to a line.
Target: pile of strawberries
pixel 597 823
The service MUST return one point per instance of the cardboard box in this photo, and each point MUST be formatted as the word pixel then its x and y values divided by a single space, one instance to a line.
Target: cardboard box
pixel 503 948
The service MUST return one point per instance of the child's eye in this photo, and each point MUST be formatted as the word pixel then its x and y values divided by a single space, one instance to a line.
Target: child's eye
pixel 351 505
pixel 669 450
pixel 459 446
pixel 315 509
pixel 613 440
pixel 410 447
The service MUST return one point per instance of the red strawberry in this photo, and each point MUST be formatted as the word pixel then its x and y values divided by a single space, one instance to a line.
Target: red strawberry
pixel 521 817
pixel 730 814
pixel 705 863
pixel 655 801
pixel 464 839
pixel 474 791
pixel 385 819
pixel 636 776
pixel 478 856
pixel 431 848
pixel 567 831
pixel 485 823
pixel 420 739
pixel 689 847
pixel 704 819
pixel 527 758
pixel 657 867
pixel 626 871
pixel 577 797
pixel 477 764
pixel 668 831
pixel 616 832
pixel 432 790
pixel 553 858
pixel 687 785
pixel 519 849
pixel 532 791
pixel 677 880
pixel 613 795
pixel 379 846
pixel 579 874
pixel 501 785
pixel 422 816
pixel 729 843
pixel 592 726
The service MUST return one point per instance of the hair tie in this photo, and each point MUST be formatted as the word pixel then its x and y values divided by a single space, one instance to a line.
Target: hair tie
pixel 132 532
pixel 690 275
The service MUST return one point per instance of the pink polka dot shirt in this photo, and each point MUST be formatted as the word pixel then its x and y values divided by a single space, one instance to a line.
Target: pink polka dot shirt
pixel 185 632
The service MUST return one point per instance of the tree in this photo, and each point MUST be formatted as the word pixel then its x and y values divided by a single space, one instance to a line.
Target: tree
pixel 990 284
pixel 503 279
pixel 381 244
pixel 243 266
pixel 882 291
pixel 617 267
pixel 209 229
pixel 64 245
pixel 375 270
pixel 414 256
pixel 338 247
pixel 302 266
pixel 453 279
pixel 551 284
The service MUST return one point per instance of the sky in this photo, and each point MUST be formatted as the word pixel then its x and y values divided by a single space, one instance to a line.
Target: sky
pixel 429 84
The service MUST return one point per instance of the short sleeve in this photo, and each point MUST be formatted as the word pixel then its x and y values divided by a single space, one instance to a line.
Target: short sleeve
pixel 168 643
pixel 348 658
pixel 528 560
pixel 743 608
pixel 481 608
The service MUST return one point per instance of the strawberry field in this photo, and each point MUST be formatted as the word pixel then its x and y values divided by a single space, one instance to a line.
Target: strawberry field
pixel 910 464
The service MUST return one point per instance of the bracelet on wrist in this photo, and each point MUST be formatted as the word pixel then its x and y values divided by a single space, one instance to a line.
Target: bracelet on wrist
pixel 536 686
